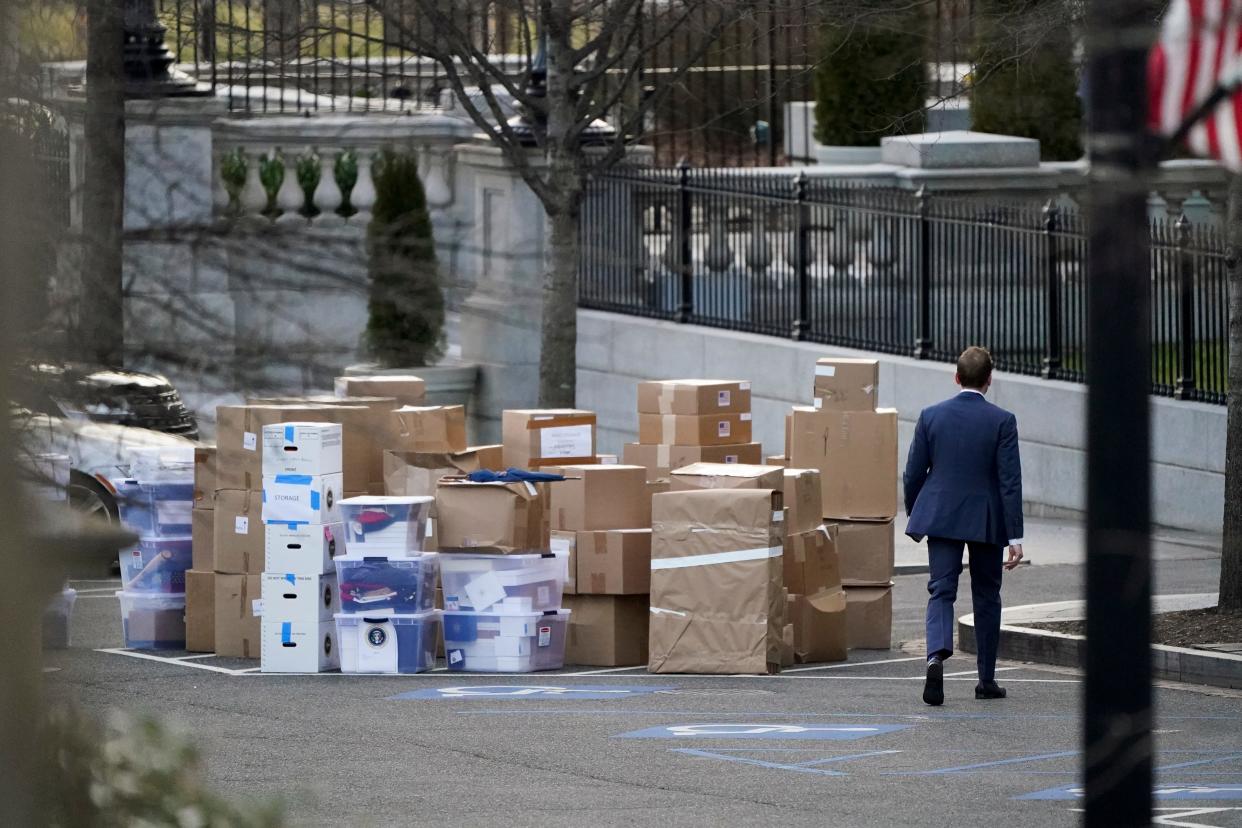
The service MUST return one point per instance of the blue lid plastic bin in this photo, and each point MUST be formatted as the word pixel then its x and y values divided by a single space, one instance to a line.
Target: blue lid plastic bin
pixel 156 565
pixel 522 642
pixel 388 643
pixel 377 583
pixel 481 582
pixel 153 621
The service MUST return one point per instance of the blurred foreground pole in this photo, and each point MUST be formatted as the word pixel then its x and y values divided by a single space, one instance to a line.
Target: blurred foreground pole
pixel 1118 748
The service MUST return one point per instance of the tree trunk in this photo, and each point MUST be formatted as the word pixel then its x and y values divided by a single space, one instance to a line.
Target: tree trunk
pixel 101 312
pixel 1231 549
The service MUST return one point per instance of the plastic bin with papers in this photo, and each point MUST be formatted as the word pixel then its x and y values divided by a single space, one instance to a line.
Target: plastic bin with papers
pixel 156 565
pixel 392 643
pixel 153 621
pixel 505 642
pixel 478 582
pixel 375 583
pixel 386 525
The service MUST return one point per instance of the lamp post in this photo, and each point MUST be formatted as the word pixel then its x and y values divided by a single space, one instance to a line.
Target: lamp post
pixel 532 122
pixel 147 61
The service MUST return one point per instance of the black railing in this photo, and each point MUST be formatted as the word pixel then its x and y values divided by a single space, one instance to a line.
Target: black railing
pixel 891 271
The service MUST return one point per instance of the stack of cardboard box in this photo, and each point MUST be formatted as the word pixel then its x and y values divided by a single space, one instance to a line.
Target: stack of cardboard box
pixel 816 603
pixel 854 445
pixel 691 421
pixel 200 580
pixel 601 519
pixel 303 486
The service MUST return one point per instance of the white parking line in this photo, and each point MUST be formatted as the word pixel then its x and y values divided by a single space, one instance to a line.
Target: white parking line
pixel 975 672
pixel 600 672
pixel 168 660
pixel 851 664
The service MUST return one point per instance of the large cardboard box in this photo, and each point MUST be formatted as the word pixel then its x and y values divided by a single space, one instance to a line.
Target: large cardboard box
pixel 200 611
pixel 239 429
pixel 203 539
pixel 693 396
pixel 237 627
pixel 867 552
pixel 811 562
pixel 607 630
pixel 694 429
pixel 612 562
pixel 239 532
pixel 600 497
pixel 856 453
pixel 660 459
pixel 415 474
pixel 204 477
pixel 846 384
pixel 803 499
pixel 820 623
pixel 716 581
pixel 406 389
pixel 725 476
pixel 427 429
pixel 870 611
pixel 492 517
pixel 534 438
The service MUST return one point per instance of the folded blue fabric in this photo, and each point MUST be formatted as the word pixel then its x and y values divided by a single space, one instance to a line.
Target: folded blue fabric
pixel 512 475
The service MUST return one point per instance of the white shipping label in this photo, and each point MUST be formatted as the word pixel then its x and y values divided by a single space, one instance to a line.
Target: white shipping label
pixel 530 488
pixel 825 370
pixel 744 417
pixel 723 398
pixel 256 607
pixel 543 596
pixel 565 441
pixel 484 591
pixel 250 441
pixel 819 402
pixel 722 428
pixel 241 525
pixel 778 517
pixel 743 386
pixel 545 636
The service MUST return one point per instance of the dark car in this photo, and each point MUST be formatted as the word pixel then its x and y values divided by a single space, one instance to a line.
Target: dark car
pixel 105 395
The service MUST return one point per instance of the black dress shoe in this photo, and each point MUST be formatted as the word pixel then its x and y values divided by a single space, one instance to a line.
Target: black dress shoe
pixel 989 690
pixel 933 689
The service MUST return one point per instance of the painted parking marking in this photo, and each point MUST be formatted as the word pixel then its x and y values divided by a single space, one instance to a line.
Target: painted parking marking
pixel 813 766
pixel 764 730
pixel 850 664
pixel 1183 790
pixel 1196 762
pixel 1017 760
pixel 530 691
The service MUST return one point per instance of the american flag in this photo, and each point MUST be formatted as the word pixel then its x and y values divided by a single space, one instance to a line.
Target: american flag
pixel 1200 49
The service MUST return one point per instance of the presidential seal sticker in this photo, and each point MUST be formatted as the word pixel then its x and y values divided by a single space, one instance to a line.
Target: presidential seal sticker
pixel 377 637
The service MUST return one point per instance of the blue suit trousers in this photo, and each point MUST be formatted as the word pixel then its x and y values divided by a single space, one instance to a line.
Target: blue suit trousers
pixel 986 565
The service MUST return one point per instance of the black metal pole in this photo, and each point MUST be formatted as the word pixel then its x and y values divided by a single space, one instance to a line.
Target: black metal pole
pixel 1052 321
pixel 801 260
pixel 923 344
pixel 1185 387
pixel 685 255
pixel 1118 695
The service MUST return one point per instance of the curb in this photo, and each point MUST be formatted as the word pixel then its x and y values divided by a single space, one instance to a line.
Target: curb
pixel 1063 650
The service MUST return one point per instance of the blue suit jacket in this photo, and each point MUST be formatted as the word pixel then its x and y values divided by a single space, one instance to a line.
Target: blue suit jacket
pixel 963 477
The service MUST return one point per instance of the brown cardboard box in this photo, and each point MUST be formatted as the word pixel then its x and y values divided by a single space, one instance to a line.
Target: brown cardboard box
pixel 846 384
pixel 803 499
pixel 776 460
pixel 811 562
pixel 660 459
pixel 856 452
pixel 239 432
pixel 427 429
pixel 787 646
pixel 820 622
pixel 200 611
pixel 409 473
pixel 867 551
pixel 535 437
pixel 565 542
pixel 600 497
pixel 694 429
pixel 725 476
pixel 870 611
pixel 203 539
pixel 239 532
pixel 693 396
pixel 716 581
pixel 613 562
pixel 204 477
pixel 237 627
pixel 491 517
pixel 607 630
pixel 405 389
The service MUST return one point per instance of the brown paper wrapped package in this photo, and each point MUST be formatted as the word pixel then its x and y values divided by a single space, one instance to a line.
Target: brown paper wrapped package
pixel 725 476
pixel 415 474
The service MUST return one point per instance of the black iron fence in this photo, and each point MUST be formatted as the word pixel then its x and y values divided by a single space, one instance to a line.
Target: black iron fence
pixel 892 271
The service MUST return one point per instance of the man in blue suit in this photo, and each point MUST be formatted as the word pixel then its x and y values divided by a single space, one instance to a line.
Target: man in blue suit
pixel 963 487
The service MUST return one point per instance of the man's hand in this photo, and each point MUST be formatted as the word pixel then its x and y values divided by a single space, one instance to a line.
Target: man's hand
pixel 1015 556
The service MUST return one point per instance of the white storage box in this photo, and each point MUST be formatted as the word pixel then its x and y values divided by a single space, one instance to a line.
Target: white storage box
pixel 388 643
pixel 153 620
pixel 303 548
pixel 485 642
pixel 372 584
pixel 386 525
pixel 302 498
pixel 302 448
pixel 300 598
pixel 298 647
pixel 478 582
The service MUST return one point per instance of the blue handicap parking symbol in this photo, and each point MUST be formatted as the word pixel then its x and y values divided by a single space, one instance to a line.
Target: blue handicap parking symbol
pixel 493 692
pixel 766 730
pixel 1188 790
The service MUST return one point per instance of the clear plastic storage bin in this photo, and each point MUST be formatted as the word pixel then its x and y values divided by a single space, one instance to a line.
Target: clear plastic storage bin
pixel 479 582
pixel 153 621
pixel 483 642
pixel 156 565
pixel 386 525
pixel 58 618
pixel 375 583
pixel 156 509
pixel 388 643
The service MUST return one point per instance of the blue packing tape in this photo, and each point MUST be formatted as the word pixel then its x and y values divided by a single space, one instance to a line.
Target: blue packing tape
pixel 286 631
pixel 291 578
pixel 288 434
pixel 315 501
pixel 294 479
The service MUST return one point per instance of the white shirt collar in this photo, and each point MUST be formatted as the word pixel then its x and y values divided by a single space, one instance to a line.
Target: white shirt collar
pixel 971 391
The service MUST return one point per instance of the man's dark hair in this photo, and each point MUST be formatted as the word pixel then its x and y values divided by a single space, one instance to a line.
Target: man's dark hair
pixel 974 367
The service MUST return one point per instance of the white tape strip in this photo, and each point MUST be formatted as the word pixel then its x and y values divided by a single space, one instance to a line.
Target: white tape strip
pixel 717 558
pixel 662 611
pixel 825 370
